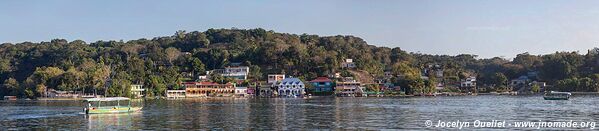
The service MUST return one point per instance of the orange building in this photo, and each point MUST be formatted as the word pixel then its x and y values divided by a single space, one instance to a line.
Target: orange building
pixel 204 89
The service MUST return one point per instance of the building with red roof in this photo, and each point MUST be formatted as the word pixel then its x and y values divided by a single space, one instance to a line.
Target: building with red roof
pixel 203 89
pixel 323 86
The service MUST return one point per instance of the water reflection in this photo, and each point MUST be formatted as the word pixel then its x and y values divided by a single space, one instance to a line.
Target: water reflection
pixel 296 114
pixel 112 121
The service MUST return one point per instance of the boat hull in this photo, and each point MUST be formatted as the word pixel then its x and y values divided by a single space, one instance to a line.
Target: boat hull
pixel 551 98
pixel 112 110
pixel 553 95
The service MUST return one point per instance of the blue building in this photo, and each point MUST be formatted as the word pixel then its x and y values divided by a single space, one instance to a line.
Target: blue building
pixel 322 86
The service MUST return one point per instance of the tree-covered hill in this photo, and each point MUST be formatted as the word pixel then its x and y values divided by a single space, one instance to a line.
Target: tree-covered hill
pixel 28 69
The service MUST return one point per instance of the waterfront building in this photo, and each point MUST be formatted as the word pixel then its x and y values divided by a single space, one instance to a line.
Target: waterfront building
pixel 322 86
pixel 175 94
pixel 264 90
pixel 204 89
pixel 349 88
pixel 468 82
pixel 251 91
pixel 137 90
pixel 290 87
pixel 272 78
pixel 241 91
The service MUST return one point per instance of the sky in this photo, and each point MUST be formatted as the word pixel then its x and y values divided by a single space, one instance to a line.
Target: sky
pixel 488 28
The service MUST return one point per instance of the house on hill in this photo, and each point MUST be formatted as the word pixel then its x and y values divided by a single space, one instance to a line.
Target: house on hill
pixel 468 82
pixel 272 78
pixel 348 63
pixel 232 71
pixel 237 72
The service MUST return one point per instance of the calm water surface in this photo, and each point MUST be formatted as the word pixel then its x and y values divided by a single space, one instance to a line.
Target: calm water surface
pixel 299 114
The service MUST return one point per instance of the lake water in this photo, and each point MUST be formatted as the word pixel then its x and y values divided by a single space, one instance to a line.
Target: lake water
pixel 303 114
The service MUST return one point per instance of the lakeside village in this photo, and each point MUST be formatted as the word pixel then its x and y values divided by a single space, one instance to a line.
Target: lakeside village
pixel 281 85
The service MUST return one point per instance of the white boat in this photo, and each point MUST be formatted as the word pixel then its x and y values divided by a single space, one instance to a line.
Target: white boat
pixel 554 95
pixel 98 108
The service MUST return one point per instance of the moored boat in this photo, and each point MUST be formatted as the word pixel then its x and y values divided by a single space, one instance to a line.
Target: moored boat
pixel 554 95
pixel 107 105
pixel 10 97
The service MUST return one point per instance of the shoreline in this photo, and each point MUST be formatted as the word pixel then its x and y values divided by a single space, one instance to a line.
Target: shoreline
pixel 313 97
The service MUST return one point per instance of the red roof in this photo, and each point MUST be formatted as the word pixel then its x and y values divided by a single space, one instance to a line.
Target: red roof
pixel 321 79
pixel 202 83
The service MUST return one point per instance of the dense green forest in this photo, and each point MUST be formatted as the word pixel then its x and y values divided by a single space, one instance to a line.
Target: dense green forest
pixel 108 67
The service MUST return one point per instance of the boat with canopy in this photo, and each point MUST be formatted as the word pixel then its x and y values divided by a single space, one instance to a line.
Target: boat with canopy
pixel 109 105
pixel 554 95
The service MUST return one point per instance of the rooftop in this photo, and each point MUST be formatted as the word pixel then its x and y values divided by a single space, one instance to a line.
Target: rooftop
pixel 291 81
pixel 321 79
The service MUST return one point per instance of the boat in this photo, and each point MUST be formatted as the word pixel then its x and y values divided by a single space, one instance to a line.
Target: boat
pixel 554 95
pixel 107 105
pixel 10 97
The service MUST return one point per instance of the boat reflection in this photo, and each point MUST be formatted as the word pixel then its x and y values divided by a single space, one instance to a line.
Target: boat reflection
pixel 112 121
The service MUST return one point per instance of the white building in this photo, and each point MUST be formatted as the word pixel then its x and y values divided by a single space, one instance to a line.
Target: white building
pixel 241 91
pixel 290 87
pixel 203 77
pixel 334 75
pixel 175 94
pixel 239 72
pixel 137 90
pixel 468 82
pixel 273 78
pixel 348 63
